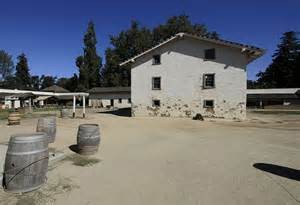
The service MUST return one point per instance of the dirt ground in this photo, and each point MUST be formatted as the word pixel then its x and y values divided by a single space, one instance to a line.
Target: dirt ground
pixel 172 161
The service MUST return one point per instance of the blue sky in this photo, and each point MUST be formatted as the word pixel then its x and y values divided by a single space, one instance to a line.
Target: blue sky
pixel 50 32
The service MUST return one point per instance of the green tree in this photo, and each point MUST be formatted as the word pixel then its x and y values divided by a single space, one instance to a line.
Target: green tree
pixel 47 81
pixel 6 65
pixel 90 62
pixel 10 82
pixel 62 82
pixel 283 72
pixel 126 44
pixel 23 78
pixel 177 24
pixel 70 84
pixel 35 82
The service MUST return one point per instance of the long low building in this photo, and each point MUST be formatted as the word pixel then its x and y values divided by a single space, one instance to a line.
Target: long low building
pixel 118 97
pixel 273 97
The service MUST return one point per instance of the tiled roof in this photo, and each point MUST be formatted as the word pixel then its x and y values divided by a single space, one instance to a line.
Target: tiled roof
pixel 56 89
pixel 109 89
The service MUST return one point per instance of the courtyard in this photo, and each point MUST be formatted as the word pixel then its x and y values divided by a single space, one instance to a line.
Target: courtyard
pixel 172 161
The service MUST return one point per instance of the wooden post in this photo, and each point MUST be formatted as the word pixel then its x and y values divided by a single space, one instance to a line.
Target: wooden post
pixel 74 105
pixel 29 105
pixel 83 106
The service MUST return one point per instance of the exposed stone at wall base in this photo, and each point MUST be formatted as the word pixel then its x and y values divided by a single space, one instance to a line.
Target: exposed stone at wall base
pixel 186 110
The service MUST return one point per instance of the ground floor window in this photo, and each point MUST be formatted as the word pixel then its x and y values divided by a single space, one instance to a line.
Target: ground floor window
pixel 208 103
pixel 156 103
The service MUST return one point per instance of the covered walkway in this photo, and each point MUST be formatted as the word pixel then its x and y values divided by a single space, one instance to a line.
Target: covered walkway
pixel 31 94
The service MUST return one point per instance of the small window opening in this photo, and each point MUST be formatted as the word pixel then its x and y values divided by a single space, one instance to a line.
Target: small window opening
pixel 156 83
pixel 156 59
pixel 210 54
pixel 156 103
pixel 208 104
pixel 209 80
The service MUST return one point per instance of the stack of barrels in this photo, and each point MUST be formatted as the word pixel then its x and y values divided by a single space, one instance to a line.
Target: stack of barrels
pixel 27 158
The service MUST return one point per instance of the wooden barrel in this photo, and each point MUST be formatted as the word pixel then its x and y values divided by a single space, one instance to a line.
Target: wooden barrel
pixel 47 125
pixel 64 113
pixel 14 118
pixel 26 162
pixel 88 139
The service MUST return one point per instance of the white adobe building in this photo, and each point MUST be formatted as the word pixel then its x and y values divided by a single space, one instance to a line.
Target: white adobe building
pixel 188 74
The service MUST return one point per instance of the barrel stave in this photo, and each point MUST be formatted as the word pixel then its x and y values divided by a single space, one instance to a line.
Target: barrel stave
pixel 47 125
pixel 26 163
pixel 88 139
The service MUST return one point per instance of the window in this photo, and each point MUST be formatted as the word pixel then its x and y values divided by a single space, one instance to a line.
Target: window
pixel 210 54
pixel 156 60
pixel 208 81
pixel 129 100
pixel 156 103
pixel 120 100
pixel 156 85
pixel 208 104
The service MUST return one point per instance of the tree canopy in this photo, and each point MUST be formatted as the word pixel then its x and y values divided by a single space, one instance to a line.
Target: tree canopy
pixel 6 65
pixel 90 63
pixel 23 78
pixel 284 71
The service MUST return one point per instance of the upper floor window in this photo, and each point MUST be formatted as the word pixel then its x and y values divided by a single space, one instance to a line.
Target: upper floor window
pixel 120 100
pixel 208 80
pixel 129 100
pixel 210 54
pixel 156 84
pixel 156 60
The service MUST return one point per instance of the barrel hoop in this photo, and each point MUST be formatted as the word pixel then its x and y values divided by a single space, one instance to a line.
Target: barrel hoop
pixel 28 141
pixel 23 153
pixel 6 183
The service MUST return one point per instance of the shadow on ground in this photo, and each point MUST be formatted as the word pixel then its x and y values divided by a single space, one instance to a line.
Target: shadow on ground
pixel 123 112
pixel 74 148
pixel 286 172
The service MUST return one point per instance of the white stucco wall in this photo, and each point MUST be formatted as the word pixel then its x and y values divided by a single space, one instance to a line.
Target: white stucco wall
pixel 106 102
pixel 181 71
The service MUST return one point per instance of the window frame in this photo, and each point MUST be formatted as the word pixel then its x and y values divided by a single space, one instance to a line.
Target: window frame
pixel 207 106
pixel 153 103
pixel 210 50
pixel 154 59
pixel 153 79
pixel 204 81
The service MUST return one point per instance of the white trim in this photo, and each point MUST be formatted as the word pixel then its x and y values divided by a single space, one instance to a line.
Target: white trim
pixel 273 91
pixel 40 93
